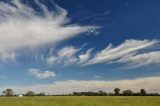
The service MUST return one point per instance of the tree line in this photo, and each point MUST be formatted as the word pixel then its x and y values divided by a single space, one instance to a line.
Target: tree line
pixel 116 92
pixel 10 92
pixel 142 92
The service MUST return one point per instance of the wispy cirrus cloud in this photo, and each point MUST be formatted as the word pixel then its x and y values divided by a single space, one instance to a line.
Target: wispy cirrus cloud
pixel 132 53
pixel 84 57
pixel 6 57
pixel 64 56
pixel 69 56
pixel 39 74
pixel 127 52
pixel 22 26
pixel 141 59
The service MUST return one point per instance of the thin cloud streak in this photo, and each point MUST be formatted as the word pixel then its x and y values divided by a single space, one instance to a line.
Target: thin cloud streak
pixel 39 74
pixel 64 56
pixel 132 53
pixel 141 59
pixel 127 52
pixel 69 56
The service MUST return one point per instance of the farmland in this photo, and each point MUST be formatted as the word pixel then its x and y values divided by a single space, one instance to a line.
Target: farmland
pixel 81 101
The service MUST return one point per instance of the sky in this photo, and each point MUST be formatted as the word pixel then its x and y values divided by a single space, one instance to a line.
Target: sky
pixel 62 46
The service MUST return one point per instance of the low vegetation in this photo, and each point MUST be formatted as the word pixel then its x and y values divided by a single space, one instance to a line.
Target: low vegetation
pixel 81 101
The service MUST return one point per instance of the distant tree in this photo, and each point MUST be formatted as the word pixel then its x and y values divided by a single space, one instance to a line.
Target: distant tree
pixel 41 94
pixel 76 93
pixel 127 93
pixel 30 93
pixel 143 92
pixel 102 93
pixel 136 94
pixel 110 94
pixel 8 92
pixel 153 94
pixel 117 90
pixel 90 93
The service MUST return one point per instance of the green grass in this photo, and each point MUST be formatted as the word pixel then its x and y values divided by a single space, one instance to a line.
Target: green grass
pixel 80 101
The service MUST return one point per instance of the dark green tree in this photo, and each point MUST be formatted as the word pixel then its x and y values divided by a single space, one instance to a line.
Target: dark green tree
pixel 102 93
pixel 127 93
pixel 143 92
pixel 8 92
pixel 116 90
pixel 30 93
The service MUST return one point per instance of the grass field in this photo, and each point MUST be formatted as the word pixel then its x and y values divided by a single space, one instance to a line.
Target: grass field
pixel 79 101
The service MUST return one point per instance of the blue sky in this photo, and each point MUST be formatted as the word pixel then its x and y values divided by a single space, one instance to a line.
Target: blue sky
pixel 88 45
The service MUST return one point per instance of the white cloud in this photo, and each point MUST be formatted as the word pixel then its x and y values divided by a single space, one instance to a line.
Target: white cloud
pixel 52 60
pixel 67 51
pixel 85 56
pixel 68 56
pixel 127 49
pixel 151 84
pixel 132 52
pixel 141 59
pixel 6 57
pixel 64 56
pixel 39 74
pixel 22 27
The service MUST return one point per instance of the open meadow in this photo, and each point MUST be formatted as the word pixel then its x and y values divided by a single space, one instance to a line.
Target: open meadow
pixel 80 101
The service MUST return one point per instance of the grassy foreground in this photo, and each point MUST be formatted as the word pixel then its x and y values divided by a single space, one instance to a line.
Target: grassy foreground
pixel 79 101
